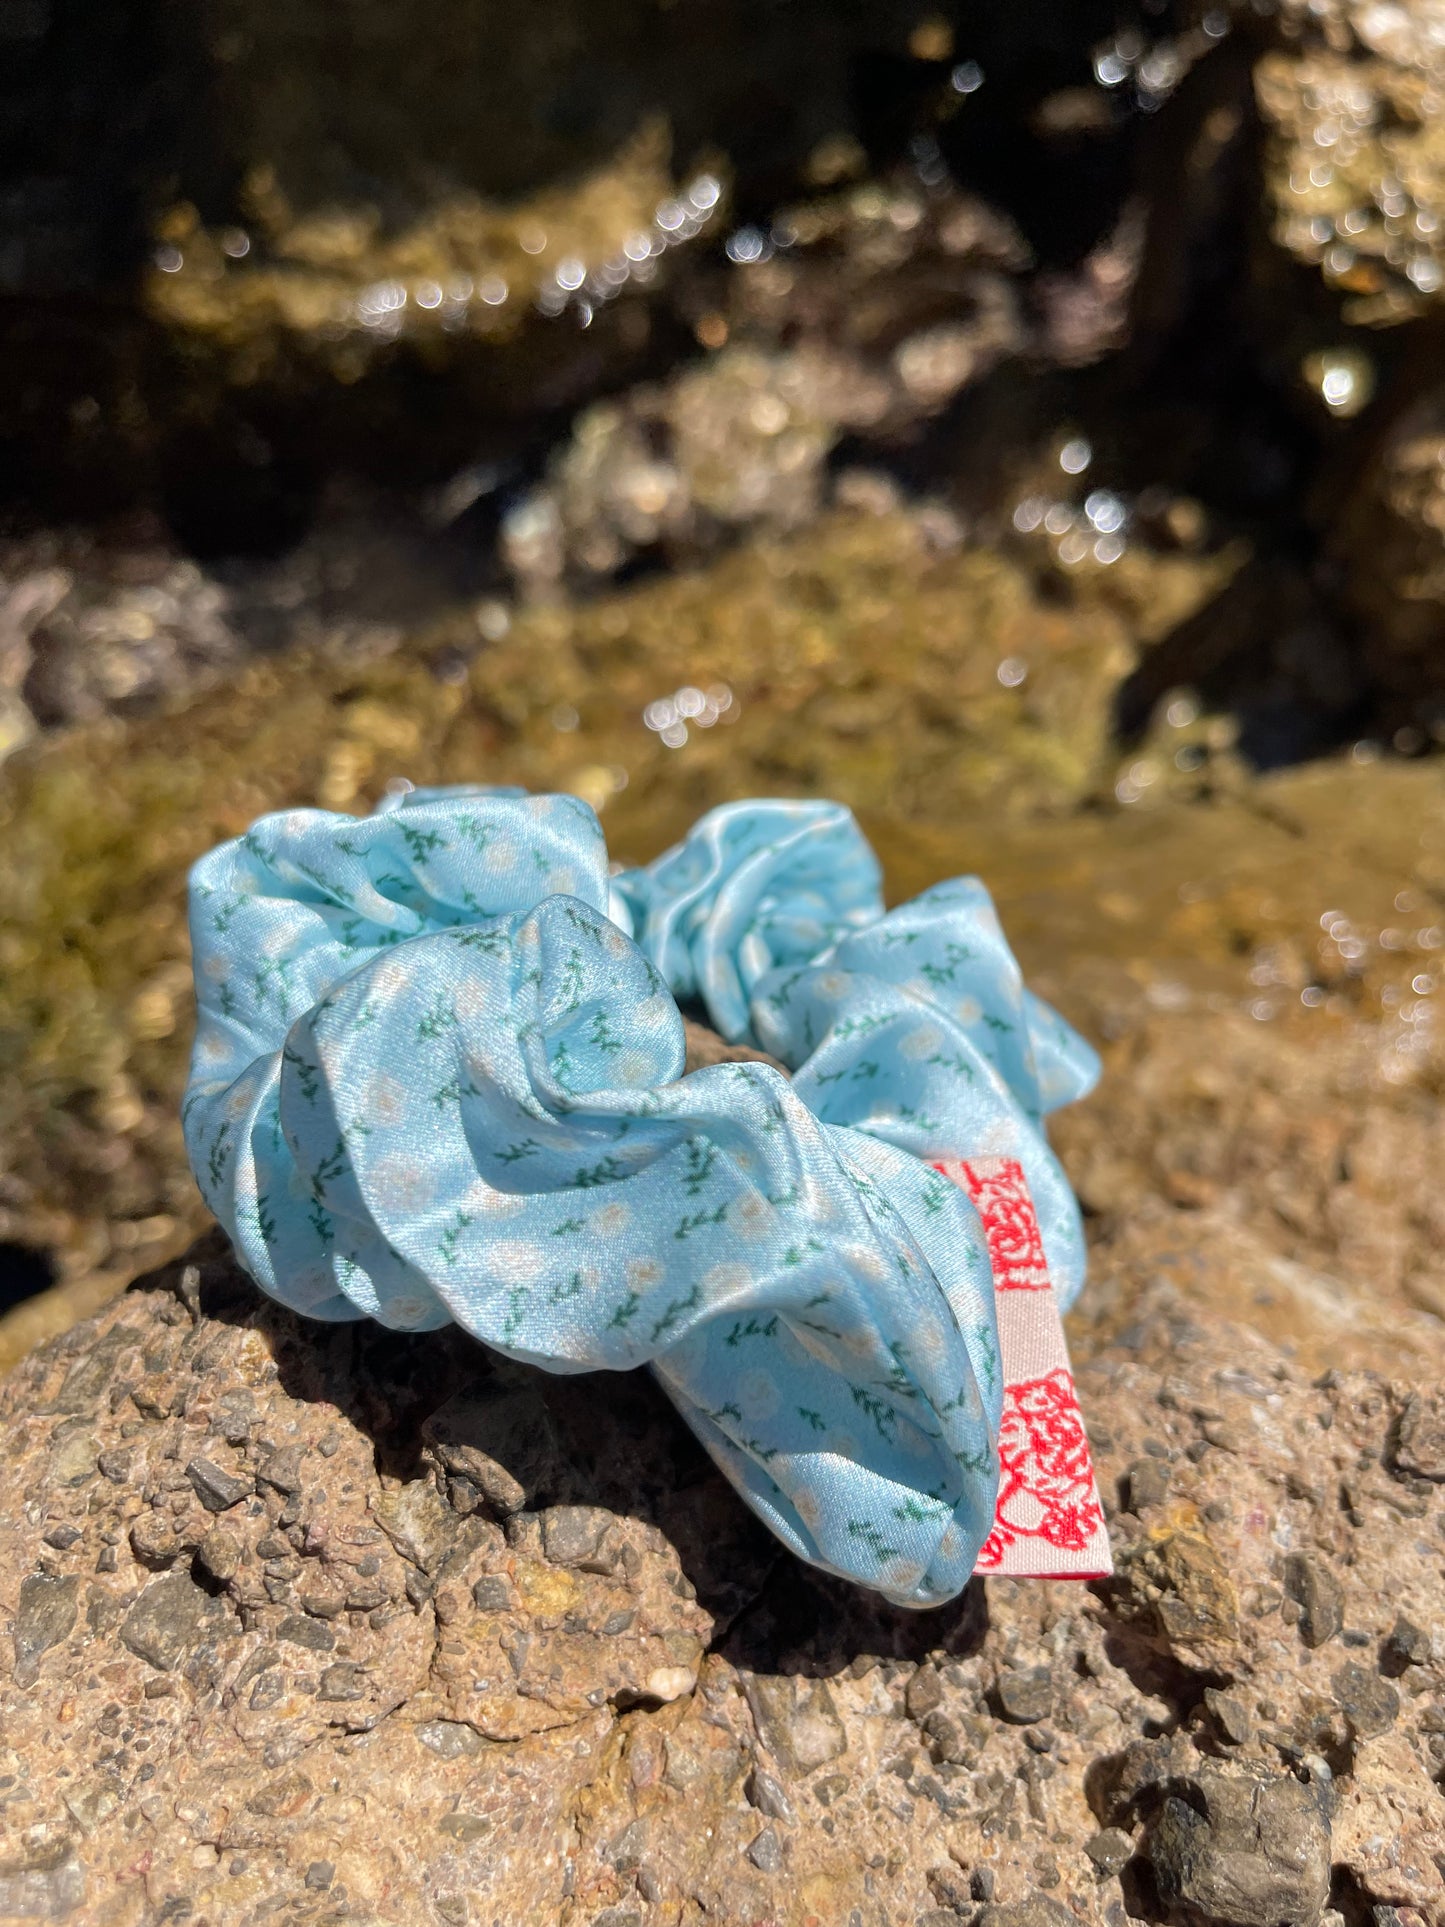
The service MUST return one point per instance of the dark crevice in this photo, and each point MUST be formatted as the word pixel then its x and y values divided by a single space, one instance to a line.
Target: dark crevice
pixel 1159 1674
pixel 24 1271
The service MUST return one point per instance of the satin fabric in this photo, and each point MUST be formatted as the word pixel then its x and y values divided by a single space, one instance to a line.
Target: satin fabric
pixel 435 1080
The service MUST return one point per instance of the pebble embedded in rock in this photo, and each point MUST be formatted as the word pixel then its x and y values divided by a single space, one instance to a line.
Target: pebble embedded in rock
pixel 502 1440
pixel 1111 1850
pixel 1248 1848
pixel 153 1540
pixel 495 1593
pixel 924 1693
pixel 948 1742
pixel 217 1489
pixel 1421 1445
pixel 766 1851
pixel 301 1630
pixel 48 1606
pixel 1231 1715
pixel 1177 1575
pixel 418 1522
pixel 450 1739
pixel 765 1793
pixel 572 1535
pixel 234 1417
pixel 1147 1483
pixel 1319 1596
pixel 221 1554
pixel 1037 1911
pixel 281 1470
pixel 1407 1644
pixel 1370 1703
pixel 168 1619
pixel 1026 1694
pixel 796 1720
pixel 342 1681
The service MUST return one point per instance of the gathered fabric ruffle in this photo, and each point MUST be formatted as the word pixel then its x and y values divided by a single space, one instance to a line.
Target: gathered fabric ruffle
pixel 437 1078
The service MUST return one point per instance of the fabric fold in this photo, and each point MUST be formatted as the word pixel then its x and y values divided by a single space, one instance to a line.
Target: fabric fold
pixel 433 1081
pixel 753 886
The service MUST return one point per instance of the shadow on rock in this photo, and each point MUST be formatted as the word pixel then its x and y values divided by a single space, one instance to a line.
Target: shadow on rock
pixel 506 1442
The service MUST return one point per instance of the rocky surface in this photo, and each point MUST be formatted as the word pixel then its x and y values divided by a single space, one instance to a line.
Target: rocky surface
pixel 1357 173
pixel 333 1624
pixel 884 632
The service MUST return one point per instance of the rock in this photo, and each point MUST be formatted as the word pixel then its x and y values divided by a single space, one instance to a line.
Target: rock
pixel 46 1883
pixel 644 1721
pixel 1148 1483
pixel 1407 1645
pixel 280 1470
pixel 169 1620
pixel 1111 1850
pixel 924 1693
pixel 1249 1849
pixel 1319 1595
pixel 1370 1703
pixel 417 1522
pixel 572 1535
pixel 450 1739
pixel 333 731
pixel 310 1633
pixel 1037 1911
pixel 1173 1575
pixel 44 1618
pixel 1231 1715
pixel 1026 1695
pixel 765 1792
pixel 153 1540
pixel 495 1593
pixel 221 1554
pixel 766 1851
pixel 949 1886
pixel 503 1444
pixel 797 1722
pixel 217 1489
pixel 1421 1445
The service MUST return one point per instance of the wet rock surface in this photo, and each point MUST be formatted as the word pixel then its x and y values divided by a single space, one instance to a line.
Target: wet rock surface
pixel 843 657
pixel 481 1644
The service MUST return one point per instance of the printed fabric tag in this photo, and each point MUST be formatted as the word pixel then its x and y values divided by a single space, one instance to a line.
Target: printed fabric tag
pixel 1049 1523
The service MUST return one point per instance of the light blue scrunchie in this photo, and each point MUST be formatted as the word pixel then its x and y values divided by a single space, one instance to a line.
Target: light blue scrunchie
pixel 434 1079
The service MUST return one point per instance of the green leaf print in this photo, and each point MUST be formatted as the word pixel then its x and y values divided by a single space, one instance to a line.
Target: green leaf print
pixel 675 1311
pixel 696 1220
pixel 752 1327
pixel 447 1243
pixel 866 1531
pixel 308 1075
pixel 883 1415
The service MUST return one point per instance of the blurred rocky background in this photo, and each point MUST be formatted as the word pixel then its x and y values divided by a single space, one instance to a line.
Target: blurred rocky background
pixel 1025 423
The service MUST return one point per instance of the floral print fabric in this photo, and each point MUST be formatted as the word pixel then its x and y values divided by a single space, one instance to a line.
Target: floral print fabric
pixel 437 1078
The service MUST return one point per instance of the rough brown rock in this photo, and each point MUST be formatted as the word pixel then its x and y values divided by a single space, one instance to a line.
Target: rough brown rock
pixel 481 1645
